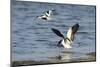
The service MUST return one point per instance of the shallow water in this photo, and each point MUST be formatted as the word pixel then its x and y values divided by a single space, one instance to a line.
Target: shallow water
pixel 33 39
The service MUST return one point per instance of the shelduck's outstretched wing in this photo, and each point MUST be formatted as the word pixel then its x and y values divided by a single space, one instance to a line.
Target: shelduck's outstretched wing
pixel 57 32
pixel 72 30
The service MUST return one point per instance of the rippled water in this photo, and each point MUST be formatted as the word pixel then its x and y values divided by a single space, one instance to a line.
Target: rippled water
pixel 33 39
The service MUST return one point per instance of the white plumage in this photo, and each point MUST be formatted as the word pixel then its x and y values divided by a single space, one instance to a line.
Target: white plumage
pixel 66 44
pixel 67 41
pixel 46 15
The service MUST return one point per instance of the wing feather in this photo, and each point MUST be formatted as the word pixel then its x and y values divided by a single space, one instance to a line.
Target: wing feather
pixel 71 32
pixel 57 32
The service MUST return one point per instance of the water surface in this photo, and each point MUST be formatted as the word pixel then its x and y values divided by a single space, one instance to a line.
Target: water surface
pixel 33 39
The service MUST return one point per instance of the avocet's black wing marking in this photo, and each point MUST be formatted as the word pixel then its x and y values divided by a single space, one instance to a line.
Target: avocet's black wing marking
pixel 48 13
pixel 57 32
pixel 59 42
pixel 75 28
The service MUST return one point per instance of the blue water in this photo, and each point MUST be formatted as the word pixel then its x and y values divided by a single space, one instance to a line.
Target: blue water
pixel 33 39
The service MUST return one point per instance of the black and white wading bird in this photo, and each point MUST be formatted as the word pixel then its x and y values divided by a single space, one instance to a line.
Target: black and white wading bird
pixel 67 41
pixel 46 15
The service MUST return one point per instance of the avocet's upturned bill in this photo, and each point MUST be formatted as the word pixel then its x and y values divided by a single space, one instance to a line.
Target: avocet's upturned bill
pixel 46 15
pixel 67 41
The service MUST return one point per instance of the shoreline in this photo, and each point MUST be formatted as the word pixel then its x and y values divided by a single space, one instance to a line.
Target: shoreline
pixel 91 58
